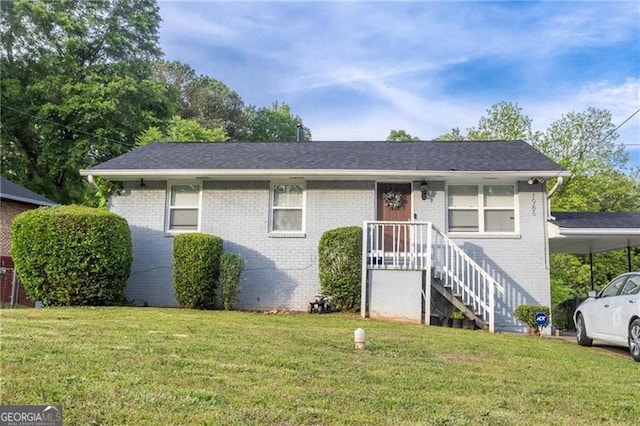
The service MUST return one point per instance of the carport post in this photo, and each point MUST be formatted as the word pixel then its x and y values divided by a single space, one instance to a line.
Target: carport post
pixel 591 268
pixel 629 256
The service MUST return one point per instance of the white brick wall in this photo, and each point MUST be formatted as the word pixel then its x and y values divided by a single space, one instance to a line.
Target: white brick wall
pixel 283 272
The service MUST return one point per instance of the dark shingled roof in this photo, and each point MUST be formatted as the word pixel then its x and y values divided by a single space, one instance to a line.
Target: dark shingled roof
pixel 12 191
pixel 627 220
pixel 339 155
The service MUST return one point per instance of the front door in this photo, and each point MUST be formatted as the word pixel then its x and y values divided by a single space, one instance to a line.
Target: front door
pixel 394 205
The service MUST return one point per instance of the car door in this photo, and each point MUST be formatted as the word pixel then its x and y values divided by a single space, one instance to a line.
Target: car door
pixel 602 314
pixel 628 304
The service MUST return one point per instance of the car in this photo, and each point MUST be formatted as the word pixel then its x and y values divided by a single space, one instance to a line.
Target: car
pixel 612 315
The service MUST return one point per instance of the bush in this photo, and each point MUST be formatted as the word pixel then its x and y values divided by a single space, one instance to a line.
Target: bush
pixel 196 268
pixel 340 263
pixel 231 266
pixel 72 255
pixel 527 313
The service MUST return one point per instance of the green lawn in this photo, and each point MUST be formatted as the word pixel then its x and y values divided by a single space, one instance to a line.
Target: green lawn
pixel 173 366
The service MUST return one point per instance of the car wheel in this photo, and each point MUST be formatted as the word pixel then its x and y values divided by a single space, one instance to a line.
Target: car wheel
pixel 634 339
pixel 581 335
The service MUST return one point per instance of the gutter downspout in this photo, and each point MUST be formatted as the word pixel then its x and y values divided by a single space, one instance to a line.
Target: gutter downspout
pixel 553 190
pixel 92 182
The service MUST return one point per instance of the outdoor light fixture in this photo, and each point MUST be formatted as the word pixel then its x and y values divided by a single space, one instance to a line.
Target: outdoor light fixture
pixel 424 188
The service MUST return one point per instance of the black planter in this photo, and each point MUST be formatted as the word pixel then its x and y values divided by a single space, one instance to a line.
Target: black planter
pixel 435 320
pixel 456 323
pixel 468 324
pixel 446 322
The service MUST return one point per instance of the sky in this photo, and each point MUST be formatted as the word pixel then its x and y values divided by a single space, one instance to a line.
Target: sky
pixel 354 70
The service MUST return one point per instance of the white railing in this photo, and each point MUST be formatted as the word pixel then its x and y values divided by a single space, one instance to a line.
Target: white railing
pixel 421 246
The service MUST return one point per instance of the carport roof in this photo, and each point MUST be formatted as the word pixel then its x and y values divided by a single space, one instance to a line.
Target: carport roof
pixel 593 232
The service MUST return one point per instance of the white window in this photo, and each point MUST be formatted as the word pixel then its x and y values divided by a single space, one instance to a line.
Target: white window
pixel 183 207
pixel 481 208
pixel 287 208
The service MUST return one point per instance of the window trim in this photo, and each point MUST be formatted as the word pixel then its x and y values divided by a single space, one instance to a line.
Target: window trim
pixel 303 208
pixel 482 209
pixel 169 208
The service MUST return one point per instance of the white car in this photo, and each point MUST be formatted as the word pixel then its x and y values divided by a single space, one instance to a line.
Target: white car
pixel 612 315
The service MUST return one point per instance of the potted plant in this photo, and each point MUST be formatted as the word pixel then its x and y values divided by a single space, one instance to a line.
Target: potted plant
pixel 456 319
pixel 527 314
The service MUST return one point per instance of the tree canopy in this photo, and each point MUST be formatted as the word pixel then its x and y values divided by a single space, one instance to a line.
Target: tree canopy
pixel 182 130
pixel 76 88
pixel 274 123
pixel 504 121
pixel 401 136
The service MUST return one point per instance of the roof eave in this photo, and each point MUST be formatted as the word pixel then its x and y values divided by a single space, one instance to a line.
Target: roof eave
pixel 27 200
pixel 130 174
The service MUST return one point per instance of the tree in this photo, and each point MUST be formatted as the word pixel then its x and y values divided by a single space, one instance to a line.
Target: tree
pixel 454 135
pixel 204 99
pixel 76 88
pixel 181 130
pixel 504 121
pixel 274 123
pixel 584 143
pixel 401 136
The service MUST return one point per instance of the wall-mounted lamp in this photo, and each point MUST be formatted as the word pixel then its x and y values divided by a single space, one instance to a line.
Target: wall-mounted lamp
pixel 424 189
pixel 535 181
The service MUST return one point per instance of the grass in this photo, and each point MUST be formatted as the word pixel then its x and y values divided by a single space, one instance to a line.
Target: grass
pixel 174 366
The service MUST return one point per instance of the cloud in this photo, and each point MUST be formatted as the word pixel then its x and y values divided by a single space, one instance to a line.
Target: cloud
pixel 355 70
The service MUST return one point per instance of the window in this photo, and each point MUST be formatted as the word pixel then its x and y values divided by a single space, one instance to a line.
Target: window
pixel 632 286
pixel 613 288
pixel 287 208
pixel 481 208
pixel 184 207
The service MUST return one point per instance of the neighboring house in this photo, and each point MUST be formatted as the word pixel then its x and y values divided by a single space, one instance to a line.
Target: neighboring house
pixel 474 214
pixel 14 199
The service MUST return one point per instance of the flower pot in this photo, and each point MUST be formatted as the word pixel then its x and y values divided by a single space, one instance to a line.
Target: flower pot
pixel 456 323
pixel 468 324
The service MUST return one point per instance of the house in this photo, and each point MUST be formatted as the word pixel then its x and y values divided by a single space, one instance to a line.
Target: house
pixel 464 222
pixel 14 199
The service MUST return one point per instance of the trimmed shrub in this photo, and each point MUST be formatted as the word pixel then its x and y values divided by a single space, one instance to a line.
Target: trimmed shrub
pixel 72 255
pixel 527 313
pixel 340 262
pixel 196 268
pixel 231 266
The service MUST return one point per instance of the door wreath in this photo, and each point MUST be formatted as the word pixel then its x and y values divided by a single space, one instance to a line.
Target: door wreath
pixel 393 199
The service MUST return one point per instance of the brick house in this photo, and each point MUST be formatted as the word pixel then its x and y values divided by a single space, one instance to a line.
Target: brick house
pixel 14 199
pixel 472 215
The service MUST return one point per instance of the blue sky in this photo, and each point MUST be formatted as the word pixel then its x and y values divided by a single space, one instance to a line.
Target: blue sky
pixel 355 70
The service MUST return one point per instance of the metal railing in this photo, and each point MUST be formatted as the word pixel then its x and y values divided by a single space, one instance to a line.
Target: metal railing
pixel 421 246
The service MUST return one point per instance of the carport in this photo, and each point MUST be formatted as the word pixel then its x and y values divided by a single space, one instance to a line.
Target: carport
pixel 594 232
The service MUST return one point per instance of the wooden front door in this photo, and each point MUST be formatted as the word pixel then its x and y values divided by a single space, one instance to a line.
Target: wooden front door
pixel 394 208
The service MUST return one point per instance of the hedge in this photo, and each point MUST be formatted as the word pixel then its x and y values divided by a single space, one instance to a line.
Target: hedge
pixel 196 269
pixel 72 255
pixel 231 266
pixel 340 260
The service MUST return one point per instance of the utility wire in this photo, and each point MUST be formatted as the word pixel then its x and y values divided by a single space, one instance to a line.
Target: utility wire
pixel 93 135
pixel 620 125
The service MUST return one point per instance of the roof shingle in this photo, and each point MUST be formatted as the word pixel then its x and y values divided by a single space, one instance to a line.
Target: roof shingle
pixel 336 155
